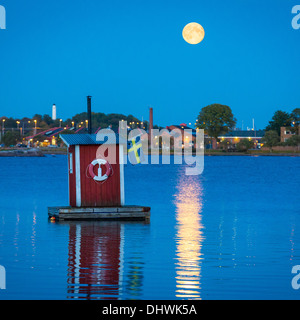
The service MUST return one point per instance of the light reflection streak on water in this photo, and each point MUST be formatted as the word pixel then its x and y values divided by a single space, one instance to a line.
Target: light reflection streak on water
pixel 33 236
pixel 189 237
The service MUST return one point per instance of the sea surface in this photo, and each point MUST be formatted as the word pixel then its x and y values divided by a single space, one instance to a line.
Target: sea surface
pixel 232 232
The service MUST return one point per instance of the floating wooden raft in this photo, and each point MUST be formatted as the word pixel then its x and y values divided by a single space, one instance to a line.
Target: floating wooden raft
pixel 103 213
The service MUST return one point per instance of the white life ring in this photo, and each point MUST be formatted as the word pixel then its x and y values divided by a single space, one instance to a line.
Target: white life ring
pixel 99 177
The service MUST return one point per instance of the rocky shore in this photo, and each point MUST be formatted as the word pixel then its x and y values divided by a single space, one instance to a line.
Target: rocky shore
pixel 22 153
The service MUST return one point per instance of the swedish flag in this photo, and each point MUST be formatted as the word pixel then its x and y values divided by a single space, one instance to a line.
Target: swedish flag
pixel 135 150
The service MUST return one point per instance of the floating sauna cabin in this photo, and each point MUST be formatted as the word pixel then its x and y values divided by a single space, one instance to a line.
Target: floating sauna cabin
pixel 96 179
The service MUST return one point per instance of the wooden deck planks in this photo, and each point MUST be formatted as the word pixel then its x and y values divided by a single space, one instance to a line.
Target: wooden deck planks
pixel 100 213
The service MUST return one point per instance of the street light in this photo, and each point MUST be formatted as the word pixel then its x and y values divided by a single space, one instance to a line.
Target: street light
pixel 3 120
pixel 35 121
pixel 60 120
pixel 18 125
pixel 86 123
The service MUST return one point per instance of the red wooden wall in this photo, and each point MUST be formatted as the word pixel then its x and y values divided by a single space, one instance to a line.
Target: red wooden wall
pixel 95 193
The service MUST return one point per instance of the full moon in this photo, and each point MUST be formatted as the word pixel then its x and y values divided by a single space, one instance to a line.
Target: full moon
pixel 193 33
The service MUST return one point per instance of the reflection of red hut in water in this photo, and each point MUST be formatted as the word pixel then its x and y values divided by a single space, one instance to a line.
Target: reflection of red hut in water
pixel 101 265
pixel 94 261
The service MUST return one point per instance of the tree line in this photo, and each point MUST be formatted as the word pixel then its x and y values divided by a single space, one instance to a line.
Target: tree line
pixel 217 119
pixel 22 127
pixel 98 120
pixel 291 121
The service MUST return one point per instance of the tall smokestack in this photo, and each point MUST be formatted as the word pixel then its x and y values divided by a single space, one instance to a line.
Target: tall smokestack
pixel 89 112
pixel 150 125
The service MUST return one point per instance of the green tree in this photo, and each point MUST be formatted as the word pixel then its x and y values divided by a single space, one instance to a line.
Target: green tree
pixel 57 123
pixel 225 145
pixel 279 119
pixel 102 120
pixel 43 125
pixel 245 145
pixel 10 122
pixel 293 141
pixel 10 138
pixel 216 119
pixel 37 117
pixel 271 139
pixel 295 115
pixel 47 119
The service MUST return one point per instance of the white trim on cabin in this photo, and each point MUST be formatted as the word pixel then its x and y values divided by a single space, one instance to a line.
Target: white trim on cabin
pixel 77 177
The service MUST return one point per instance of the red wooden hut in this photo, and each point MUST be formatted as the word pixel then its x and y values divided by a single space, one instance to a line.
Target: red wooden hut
pixel 96 178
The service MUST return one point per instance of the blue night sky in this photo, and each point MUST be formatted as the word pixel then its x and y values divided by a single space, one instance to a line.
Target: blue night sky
pixel 130 55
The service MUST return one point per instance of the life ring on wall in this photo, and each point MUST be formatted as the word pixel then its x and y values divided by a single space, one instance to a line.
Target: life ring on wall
pixel 99 177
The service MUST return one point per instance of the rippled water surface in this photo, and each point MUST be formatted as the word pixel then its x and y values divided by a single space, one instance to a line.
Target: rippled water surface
pixel 230 233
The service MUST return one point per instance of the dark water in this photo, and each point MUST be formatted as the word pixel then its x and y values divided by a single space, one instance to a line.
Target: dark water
pixel 230 233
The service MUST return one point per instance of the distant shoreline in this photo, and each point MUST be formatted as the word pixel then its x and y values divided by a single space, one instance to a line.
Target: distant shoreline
pixel 41 152
pixel 255 154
